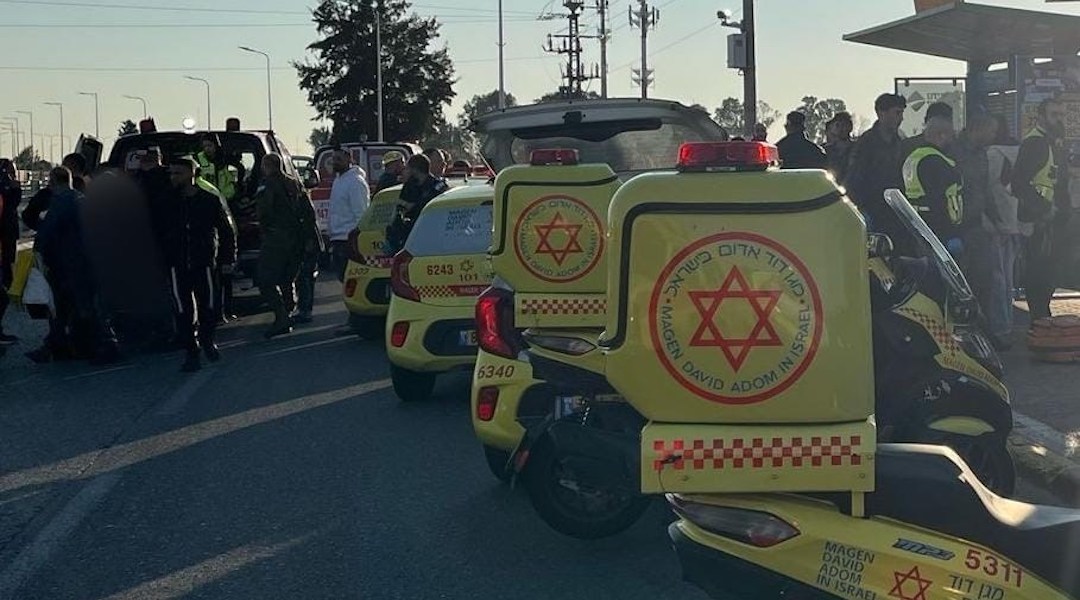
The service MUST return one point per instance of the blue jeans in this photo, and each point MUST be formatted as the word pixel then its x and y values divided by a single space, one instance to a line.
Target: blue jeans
pixel 1000 312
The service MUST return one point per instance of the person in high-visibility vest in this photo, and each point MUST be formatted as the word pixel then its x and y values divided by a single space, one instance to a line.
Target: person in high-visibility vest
pixel 226 174
pixel 1041 184
pixel 934 185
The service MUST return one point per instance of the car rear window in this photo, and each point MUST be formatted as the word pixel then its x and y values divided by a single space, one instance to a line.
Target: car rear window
pixel 451 230
pixel 377 216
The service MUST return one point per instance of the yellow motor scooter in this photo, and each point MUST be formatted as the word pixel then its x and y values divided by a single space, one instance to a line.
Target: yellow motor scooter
pixel 745 340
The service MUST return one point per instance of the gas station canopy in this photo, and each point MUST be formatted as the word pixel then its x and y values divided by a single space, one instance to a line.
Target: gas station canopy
pixel 977 33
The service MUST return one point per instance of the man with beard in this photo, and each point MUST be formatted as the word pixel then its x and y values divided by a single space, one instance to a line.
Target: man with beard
pixel 1041 184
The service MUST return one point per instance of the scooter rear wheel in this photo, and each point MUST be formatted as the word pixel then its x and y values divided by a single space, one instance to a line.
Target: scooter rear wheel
pixel 574 509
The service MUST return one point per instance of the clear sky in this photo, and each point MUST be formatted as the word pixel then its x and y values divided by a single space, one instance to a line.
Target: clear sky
pixel 54 49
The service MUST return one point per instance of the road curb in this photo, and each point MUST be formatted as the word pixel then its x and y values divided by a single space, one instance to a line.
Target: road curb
pixel 1046 468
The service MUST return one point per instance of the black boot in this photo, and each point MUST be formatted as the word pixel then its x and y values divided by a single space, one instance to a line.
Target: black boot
pixel 210 349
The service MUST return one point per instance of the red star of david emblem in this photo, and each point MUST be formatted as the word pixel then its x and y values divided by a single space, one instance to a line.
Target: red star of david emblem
pixel 762 335
pixel 910 585
pixel 572 246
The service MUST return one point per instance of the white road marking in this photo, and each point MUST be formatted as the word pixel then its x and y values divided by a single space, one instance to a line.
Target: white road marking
pixel 1062 444
pixel 303 347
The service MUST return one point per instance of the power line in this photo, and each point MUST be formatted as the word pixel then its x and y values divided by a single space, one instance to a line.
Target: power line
pixel 682 39
pixel 212 69
pixel 452 20
pixel 248 11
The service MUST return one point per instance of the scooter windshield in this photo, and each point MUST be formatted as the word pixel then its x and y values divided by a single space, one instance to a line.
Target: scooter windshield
pixel 928 244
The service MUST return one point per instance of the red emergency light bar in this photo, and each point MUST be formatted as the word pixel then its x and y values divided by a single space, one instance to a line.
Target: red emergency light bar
pixel 727 156
pixel 554 156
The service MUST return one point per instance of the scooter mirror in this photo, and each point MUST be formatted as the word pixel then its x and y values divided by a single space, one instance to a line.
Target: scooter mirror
pixel 879 245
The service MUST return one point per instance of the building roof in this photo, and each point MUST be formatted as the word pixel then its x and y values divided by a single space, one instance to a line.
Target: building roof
pixel 977 33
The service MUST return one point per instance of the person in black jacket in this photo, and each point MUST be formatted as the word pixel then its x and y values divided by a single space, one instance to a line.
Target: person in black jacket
pixel 1040 181
pixel 875 166
pixel 419 189
pixel 796 150
pixel 39 203
pixel 10 197
pixel 197 240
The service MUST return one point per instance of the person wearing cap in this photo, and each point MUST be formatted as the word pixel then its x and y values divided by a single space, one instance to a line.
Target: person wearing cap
pixel 796 150
pixel 875 165
pixel 838 144
pixel 393 165
pixel 198 241
pixel 937 110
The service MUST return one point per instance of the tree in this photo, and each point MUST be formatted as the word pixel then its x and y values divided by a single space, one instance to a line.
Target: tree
pixel 730 115
pixel 459 142
pixel 341 80
pixel 480 104
pixel 560 95
pixel 320 136
pixel 818 112
pixel 128 127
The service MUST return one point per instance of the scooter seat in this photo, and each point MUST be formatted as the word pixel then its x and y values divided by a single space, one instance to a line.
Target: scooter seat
pixel 931 487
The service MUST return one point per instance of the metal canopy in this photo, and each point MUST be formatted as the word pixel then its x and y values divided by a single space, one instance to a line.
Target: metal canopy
pixel 977 33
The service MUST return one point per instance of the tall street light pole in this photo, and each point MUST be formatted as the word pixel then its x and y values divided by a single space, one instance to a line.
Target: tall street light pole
pixel 60 105
pixel 502 63
pixel 269 94
pixel 16 132
pixel 97 121
pixel 140 99
pixel 29 115
pixel 209 115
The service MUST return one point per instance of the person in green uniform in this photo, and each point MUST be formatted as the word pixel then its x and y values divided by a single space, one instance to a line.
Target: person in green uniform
pixel 283 241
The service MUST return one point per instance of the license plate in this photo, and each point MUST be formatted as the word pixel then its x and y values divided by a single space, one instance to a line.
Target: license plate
pixel 467 338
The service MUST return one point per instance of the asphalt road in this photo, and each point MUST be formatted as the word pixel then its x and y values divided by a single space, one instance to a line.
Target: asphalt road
pixel 290 470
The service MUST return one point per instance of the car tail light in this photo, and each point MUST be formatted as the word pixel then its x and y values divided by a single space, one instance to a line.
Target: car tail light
pixel 486 403
pixel 553 156
pixel 399 277
pixel 495 331
pixel 350 288
pixel 399 333
pixel 727 156
pixel 759 529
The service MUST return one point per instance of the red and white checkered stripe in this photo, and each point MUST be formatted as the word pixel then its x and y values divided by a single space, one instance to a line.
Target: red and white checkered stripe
pixel 564 306
pixel 378 262
pixel 739 453
pixel 942 334
pixel 450 291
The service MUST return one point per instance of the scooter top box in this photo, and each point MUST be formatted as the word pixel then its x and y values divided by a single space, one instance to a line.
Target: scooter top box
pixel 739 298
pixel 550 238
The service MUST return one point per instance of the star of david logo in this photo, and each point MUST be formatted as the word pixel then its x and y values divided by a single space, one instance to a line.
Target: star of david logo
pixel 572 246
pixel 467 266
pixel 910 585
pixel 762 335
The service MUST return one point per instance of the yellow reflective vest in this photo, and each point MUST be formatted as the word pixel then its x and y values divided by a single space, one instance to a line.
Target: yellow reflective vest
pixel 916 190
pixel 223 178
pixel 1046 177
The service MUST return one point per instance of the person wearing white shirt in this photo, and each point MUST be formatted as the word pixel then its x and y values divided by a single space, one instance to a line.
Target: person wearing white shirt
pixel 349 198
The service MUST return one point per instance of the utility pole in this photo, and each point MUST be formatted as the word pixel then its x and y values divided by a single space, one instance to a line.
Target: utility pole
pixel 502 61
pixel 601 8
pixel 747 64
pixel 571 47
pixel 378 67
pixel 644 19
pixel 750 73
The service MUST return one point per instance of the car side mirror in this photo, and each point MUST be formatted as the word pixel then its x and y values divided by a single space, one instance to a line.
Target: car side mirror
pixel 311 178
pixel 879 245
